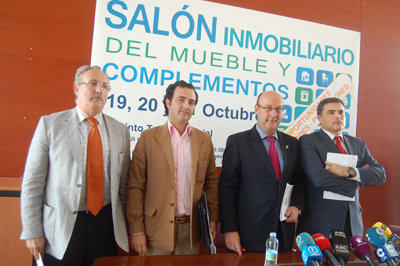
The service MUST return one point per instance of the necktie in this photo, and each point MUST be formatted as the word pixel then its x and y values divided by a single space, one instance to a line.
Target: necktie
pixel 94 169
pixel 273 156
pixel 339 144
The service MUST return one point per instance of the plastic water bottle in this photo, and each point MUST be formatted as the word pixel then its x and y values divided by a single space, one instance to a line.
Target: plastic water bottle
pixel 271 251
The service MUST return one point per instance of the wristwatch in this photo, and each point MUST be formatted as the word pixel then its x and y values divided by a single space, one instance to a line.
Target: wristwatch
pixel 352 172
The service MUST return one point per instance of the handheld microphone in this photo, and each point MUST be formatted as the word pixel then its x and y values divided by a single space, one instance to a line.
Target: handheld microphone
pixel 384 228
pixel 392 238
pixel 340 248
pixel 361 249
pixel 395 241
pixel 384 252
pixel 310 253
pixel 323 243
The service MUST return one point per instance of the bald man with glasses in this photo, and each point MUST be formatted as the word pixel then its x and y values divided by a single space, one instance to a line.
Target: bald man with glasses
pixel 256 166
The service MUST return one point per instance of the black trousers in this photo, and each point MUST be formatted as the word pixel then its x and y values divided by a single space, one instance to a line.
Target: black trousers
pixel 92 237
pixel 347 225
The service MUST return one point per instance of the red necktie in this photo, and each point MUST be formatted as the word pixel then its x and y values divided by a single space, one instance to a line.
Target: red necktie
pixel 273 156
pixel 94 170
pixel 339 144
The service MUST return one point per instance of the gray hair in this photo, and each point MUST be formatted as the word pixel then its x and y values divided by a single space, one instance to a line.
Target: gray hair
pixel 81 70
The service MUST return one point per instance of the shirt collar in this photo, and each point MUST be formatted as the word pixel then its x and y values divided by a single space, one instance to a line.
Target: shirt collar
pixel 172 129
pixel 263 134
pixel 82 116
pixel 332 136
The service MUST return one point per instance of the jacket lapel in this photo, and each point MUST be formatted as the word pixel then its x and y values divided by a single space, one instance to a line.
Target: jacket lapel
pixel 261 153
pixel 327 141
pixel 349 147
pixel 164 141
pixel 285 148
pixel 71 128
pixel 114 142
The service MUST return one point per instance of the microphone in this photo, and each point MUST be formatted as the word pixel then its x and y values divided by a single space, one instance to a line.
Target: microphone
pixel 310 253
pixel 384 252
pixel 392 238
pixel 340 248
pixel 323 243
pixel 384 228
pixel 361 249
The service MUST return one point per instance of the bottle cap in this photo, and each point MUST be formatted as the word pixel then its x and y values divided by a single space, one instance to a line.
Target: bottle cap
pixel 272 234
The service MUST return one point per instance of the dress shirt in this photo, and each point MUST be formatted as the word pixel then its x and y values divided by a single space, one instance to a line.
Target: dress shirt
pixel 183 168
pixel 332 136
pixel 263 136
pixel 84 130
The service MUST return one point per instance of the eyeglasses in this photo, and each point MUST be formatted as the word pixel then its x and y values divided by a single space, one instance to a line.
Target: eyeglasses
pixel 269 108
pixel 94 83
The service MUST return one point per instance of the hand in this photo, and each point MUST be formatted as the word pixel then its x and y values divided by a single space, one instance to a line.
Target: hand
pixel 339 170
pixel 232 241
pixel 138 243
pixel 213 229
pixel 36 246
pixel 292 213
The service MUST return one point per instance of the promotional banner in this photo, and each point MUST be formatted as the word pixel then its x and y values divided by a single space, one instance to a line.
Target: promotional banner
pixel 230 55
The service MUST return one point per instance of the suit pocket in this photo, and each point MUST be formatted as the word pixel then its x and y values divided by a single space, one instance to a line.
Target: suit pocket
pixel 49 220
pixel 150 217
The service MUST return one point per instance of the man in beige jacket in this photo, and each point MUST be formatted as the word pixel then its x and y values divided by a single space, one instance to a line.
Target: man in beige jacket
pixel 171 164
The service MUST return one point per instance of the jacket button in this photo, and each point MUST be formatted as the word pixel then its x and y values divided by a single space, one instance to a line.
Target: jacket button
pixel 74 212
pixel 171 222
pixel 171 204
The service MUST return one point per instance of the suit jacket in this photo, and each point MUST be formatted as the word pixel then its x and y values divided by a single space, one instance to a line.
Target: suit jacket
pixel 250 195
pixel 322 215
pixel 151 186
pixel 52 180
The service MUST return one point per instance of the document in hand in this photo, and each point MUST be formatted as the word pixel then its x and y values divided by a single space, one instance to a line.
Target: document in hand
pixel 286 201
pixel 348 160
pixel 205 225
pixel 39 262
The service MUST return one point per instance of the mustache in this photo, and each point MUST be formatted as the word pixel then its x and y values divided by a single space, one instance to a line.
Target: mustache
pixel 97 95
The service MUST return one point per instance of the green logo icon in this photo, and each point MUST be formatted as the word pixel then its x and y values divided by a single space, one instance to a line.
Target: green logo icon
pixel 304 95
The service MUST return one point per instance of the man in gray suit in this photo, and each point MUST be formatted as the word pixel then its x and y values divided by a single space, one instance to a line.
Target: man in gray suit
pixel 322 213
pixel 57 223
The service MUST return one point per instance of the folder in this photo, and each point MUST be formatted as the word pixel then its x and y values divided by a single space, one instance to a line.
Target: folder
pixel 286 201
pixel 348 160
pixel 205 225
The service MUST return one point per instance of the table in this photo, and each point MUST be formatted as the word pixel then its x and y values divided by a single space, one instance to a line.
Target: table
pixel 221 259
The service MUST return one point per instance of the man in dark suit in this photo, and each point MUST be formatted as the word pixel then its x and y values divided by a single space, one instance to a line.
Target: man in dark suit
pixel 256 166
pixel 322 213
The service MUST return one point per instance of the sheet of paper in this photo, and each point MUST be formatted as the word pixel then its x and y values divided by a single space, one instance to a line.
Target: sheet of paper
pixel 348 160
pixel 286 201
pixel 39 262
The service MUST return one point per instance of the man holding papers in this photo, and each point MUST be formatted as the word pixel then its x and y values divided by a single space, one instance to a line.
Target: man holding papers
pixel 256 168
pixel 335 167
